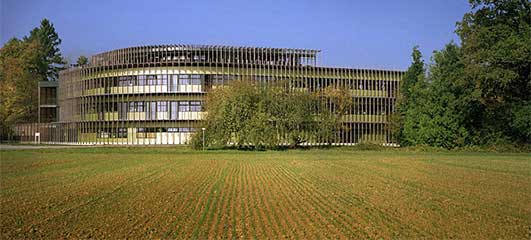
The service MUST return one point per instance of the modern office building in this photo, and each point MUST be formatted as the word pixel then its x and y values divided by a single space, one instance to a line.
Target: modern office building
pixel 153 94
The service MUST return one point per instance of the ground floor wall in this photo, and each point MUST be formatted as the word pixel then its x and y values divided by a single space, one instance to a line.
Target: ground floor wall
pixel 165 133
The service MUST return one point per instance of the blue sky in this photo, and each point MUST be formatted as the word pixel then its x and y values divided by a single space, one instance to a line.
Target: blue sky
pixel 350 33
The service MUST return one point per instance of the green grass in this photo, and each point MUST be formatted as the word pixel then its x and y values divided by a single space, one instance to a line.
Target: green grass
pixel 177 192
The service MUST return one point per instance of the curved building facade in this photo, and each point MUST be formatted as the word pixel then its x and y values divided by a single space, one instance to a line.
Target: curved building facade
pixel 154 94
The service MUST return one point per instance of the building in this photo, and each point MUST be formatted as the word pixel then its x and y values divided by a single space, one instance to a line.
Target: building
pixel 48 108
pixel 153 94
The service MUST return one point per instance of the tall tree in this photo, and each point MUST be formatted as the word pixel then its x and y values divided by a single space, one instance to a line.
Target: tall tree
pixel 414 73
pixel 50 61
pixel 437 117
pixel 408 96
pixel 496 45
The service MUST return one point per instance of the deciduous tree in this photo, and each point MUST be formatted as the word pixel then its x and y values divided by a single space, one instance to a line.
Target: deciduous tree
pixel 496 45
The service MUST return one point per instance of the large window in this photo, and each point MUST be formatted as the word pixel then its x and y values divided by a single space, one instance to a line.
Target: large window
pixel 127 81
pixel 162 106
pixel 152 110
pixel 174 83
pixel 184 79
pixel 184 106
pixel 174 112
pixel 136 106
pixel 162 79
pixel 182 129
pixel 151 79
pixel 121 133
pixel 146 132
pixel 195 106
pixel 142 80
pixel 222 79
pixel 190 106
pixel 112 133
pixel 195 79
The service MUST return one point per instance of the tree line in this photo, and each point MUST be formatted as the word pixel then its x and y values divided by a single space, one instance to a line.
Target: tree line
pixel 477 92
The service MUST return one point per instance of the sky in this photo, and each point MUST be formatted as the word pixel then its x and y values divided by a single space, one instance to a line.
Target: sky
pixel 350 33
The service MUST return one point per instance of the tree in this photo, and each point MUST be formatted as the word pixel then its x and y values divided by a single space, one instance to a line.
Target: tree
pixel 452 96
pixel 413 112
pixel 496 45
pixel 50 61
pixel 22 65
pixel 18 82
pixel 408 98
pixel 82 61
pixel 437 116
pixel 250 115
pixel 238 114
pixel 413 75
pixel 336 102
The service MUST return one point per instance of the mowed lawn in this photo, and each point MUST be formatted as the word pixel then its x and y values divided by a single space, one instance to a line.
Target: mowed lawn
pixel 301 194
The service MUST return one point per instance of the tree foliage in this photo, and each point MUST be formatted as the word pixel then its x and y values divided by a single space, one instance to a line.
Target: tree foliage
pixel 335 103
pixel 250 115
pixel 437 115
pixel 496 45
pixel 404 121
pixel 478 93
pixel 23 63
pixel 82 61
pixel 50 60
pixel 18 82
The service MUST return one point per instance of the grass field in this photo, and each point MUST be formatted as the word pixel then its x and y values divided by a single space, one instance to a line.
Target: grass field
pixel 301 194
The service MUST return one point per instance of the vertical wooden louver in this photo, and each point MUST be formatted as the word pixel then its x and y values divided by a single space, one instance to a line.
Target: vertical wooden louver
pixel 152 94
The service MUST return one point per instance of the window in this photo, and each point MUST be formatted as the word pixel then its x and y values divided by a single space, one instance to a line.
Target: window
pixel 162 106
pixel 184 79
pixel 146 132
pixel 162 79
pixel 174 113
pixel 173 129
pixel 190 106
pixel 217 80
pixel 195 106
pixel 195 79
pixel 174 81
pixel 132 107
pixel 182 129
pixel 152 110
pixel 184 106
pixel 126 80
pixel 103 134
pixel 136 106
pixel 121 133
pixel 141 80
pixel 151 79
